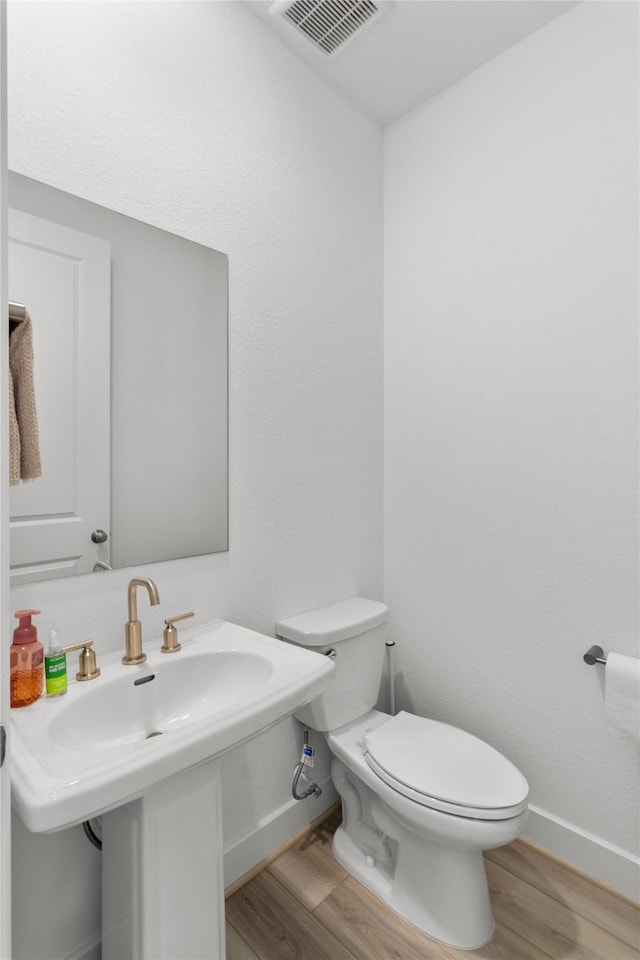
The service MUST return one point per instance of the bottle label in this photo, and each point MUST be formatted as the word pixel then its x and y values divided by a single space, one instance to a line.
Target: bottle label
pixel 55 673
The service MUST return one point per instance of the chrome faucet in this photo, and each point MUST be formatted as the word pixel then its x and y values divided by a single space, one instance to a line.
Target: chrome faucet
pixel 133 627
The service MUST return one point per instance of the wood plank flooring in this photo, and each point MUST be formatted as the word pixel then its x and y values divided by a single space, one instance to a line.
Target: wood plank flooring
pixel 305 906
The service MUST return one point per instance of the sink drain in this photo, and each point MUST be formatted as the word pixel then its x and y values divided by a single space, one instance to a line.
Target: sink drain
pixel 156 733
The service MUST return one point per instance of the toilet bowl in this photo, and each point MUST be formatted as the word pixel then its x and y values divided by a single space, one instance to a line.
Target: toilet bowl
pixel 421 799
pixel 435 876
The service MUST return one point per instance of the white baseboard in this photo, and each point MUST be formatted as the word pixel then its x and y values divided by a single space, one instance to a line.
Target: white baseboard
pixel 596 857
pixel 588 853
pixel 267 835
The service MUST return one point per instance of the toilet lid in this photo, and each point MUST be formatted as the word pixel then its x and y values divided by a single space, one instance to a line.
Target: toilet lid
pixel 445 768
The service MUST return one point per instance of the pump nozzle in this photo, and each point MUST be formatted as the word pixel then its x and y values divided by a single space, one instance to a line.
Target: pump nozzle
pixel 26 632
pixel 24 616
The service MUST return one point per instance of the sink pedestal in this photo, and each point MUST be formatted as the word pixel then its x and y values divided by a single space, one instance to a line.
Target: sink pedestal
pixel 162 877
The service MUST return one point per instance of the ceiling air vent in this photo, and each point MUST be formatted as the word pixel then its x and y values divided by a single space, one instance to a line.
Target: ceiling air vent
pixel 329 24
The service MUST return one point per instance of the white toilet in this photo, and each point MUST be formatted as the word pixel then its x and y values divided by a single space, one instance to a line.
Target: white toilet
pixel 421 799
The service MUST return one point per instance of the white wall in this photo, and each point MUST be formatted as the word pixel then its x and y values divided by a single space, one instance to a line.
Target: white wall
pixel 510 298
pixel 193 117
pixel 511 310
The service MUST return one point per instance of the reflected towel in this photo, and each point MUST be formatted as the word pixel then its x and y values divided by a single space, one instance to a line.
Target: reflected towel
pixel 24 442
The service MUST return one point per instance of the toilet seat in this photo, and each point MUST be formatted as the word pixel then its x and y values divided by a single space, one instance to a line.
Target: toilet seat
pixel 445 768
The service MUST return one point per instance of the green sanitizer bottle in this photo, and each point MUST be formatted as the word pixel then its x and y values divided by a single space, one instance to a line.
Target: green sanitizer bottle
pixel 55 667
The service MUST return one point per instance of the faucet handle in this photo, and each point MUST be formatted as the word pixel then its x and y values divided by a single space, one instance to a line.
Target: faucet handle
pixel 87 668
pixel 170 634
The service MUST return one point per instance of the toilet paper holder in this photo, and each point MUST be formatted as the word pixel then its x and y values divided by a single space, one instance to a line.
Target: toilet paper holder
pixel 593 655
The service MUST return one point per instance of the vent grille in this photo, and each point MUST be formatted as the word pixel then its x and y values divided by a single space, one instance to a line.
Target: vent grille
pixel 330 23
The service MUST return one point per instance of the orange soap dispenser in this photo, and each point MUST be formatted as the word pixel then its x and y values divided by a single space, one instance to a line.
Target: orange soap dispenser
pixel 27 655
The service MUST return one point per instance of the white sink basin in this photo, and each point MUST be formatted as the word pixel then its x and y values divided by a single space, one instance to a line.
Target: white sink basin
pixel 179 691
pixel 108 740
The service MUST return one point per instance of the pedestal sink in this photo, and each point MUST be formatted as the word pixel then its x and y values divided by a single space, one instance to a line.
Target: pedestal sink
pixel 140 746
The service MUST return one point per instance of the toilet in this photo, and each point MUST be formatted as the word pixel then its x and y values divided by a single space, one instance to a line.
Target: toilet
pixel 421 799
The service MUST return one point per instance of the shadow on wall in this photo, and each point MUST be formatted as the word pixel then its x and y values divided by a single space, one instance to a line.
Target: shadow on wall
pixel 401 694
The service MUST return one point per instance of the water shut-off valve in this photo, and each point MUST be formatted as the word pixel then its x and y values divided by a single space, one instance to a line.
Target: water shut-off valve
pixel 306 760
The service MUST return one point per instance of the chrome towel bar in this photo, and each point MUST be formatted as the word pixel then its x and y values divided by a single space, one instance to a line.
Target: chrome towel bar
pixel 17 311
pixel 593 655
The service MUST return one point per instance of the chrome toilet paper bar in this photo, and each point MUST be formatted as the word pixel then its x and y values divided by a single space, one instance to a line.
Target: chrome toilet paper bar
pixel 593 655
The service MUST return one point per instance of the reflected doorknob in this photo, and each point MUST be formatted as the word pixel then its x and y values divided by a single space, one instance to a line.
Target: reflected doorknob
pixel 99 536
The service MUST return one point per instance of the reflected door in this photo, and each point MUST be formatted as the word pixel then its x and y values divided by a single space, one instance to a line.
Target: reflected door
pixel 62 276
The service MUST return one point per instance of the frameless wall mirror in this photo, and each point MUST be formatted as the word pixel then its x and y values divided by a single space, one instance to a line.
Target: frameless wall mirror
pixel 129 330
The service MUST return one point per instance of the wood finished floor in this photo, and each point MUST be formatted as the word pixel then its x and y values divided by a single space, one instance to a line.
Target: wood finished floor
pixel 305 906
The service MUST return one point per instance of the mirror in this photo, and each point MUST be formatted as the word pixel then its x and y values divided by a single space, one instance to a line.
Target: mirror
pixel 163 300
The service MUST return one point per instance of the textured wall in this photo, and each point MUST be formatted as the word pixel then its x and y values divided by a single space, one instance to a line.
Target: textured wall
pixel 193 117
pixel 511 306
pixel 510 508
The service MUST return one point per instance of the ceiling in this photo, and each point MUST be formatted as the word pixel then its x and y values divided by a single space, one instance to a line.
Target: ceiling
pixel 417 48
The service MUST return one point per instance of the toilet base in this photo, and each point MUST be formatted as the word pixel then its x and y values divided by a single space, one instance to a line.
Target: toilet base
pixel 427 865
pixel 441 892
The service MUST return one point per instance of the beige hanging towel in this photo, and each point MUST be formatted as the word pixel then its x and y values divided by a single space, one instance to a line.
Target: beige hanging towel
pixel 24 443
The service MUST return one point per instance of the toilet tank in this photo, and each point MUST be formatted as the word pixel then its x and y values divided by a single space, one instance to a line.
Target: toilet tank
pixel 356 630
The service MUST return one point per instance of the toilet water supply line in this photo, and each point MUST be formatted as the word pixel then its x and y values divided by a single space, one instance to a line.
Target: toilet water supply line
pixel 307 757
pixel 306 760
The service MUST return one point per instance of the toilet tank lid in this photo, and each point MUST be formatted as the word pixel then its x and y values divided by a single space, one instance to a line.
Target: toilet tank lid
pixel 338 621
